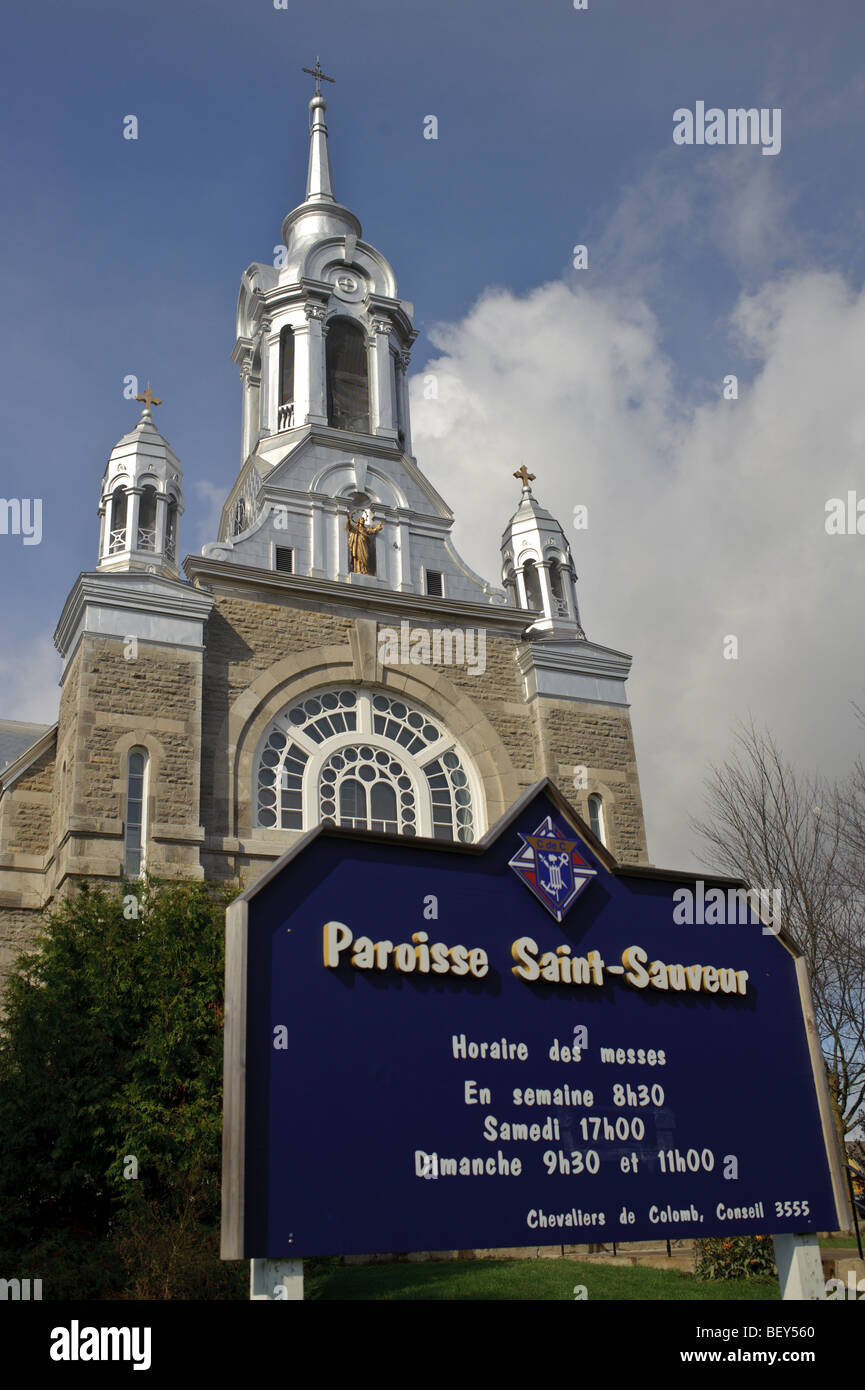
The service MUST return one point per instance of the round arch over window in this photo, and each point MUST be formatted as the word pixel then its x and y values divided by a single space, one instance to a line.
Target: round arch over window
pixel 367 760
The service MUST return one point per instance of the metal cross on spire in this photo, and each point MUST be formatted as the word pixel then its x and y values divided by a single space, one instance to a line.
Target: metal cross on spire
pixel 319 76
pixel 149 398
pixel 523 472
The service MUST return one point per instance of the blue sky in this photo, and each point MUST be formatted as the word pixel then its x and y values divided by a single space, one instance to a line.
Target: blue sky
pixel 555 127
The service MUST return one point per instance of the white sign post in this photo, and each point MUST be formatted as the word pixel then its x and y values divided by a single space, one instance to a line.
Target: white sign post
pixel 800 1269
pixel 276 1279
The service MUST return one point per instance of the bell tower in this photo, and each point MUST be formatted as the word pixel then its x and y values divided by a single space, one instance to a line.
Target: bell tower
pixel 141 501
pixel 538 567
pixel 322 338
pixel 328 488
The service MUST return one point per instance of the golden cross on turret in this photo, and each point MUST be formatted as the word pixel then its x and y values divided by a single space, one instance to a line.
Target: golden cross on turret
pixel 523 472
pixel 149 398
pixel 319 76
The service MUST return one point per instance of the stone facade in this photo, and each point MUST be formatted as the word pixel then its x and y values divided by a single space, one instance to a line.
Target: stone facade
pixel 200 715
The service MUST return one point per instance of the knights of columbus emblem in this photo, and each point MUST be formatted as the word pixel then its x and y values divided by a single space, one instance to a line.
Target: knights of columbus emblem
pixel 550 865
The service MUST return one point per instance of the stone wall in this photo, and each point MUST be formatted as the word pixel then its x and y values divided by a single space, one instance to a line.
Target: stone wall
pixel 262 651
pixel 27 822
pixel 112 703
pixel 599 737
pixel 243 640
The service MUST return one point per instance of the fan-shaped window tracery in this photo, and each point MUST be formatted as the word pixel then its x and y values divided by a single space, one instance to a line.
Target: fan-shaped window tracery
pixel 365 760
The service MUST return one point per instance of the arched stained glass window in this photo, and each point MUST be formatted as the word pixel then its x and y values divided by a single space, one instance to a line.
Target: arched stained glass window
pixel 365 760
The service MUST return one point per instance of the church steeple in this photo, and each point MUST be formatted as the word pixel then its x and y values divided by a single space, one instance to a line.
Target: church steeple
pixel 538 568
pixel 323 346
pixel 141 500
pixel 322 338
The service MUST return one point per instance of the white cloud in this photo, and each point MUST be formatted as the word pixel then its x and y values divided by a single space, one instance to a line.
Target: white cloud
pixel 29 678
pixel 209 510
pixel 704 520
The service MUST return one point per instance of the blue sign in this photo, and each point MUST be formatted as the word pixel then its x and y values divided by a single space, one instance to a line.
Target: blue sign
pixel 432 1046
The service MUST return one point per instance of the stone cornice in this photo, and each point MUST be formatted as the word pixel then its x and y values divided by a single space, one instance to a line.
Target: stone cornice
pixel 136 590
pixel 380 305
pixel 574 657
pixel 363 601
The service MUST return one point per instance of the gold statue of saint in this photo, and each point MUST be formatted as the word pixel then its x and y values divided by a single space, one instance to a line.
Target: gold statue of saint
pixel 358 542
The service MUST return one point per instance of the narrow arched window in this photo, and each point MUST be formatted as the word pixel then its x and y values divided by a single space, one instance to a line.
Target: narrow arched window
pixel 286 379
pixel 239 524
pixel 382 807
pixel 395 401
pixel 147 519
pixel 596 818
pixel 347 377
pixel 557 588
pixel 533 585
pixel 171 529
pixel 119 501
pixel 135 832
pixel 352 803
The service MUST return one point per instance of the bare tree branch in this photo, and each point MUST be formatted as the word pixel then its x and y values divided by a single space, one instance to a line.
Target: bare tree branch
pixel 781 830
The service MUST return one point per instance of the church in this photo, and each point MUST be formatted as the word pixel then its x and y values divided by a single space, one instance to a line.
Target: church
pixel 329 656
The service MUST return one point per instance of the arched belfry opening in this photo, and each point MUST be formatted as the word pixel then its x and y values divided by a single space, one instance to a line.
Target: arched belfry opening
pixel 286 378
pixel 560 601
pixel 146 539
pixel 347 376
pixel 534 598
pixel 117 524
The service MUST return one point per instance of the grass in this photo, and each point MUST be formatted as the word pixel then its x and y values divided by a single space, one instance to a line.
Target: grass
pixel 841 1243
pixel 526 1280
